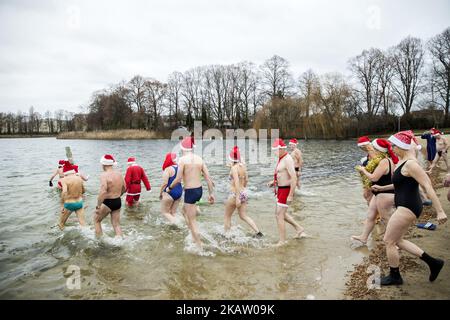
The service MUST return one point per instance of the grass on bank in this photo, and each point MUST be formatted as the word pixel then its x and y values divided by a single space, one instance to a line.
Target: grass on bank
pixel 112 135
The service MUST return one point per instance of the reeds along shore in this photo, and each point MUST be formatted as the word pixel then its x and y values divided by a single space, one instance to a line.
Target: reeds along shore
pixel 112 135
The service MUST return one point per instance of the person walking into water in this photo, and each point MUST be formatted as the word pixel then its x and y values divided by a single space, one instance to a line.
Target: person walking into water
pixel 170 200
pixel 408 175
pixel 133 177
pixel 71 196
pixel 238 198
pixel 296 155
pixel 284 183
pixel 382 201
pixel 58 172
pixel 190 169
pixel 112 187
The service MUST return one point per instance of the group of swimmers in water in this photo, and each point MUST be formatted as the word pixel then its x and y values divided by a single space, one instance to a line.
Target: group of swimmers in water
pixel 180 176
pixel 395 186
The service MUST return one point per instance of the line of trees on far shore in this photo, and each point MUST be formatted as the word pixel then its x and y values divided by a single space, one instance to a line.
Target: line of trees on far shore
pixel 407 85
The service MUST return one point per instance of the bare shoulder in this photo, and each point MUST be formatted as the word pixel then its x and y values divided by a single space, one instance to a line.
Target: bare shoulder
pixel 289 159
pixel 412 166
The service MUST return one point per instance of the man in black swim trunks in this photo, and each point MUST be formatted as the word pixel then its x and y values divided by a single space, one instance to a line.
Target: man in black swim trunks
pixel 190 169
pixel 112 187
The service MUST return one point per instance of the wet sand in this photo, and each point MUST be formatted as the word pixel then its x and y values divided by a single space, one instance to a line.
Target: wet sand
pixel 414 271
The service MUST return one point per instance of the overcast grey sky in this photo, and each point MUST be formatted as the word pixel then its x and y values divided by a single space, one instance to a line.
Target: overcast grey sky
pixel 54 54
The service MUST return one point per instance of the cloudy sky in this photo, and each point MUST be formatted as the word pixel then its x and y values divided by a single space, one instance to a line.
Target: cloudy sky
pixel 54 54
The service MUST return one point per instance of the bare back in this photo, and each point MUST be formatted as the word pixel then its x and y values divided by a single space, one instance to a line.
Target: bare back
pixel 73 188
pixel 192 166
pixel 242 177
pixel 113 184
pixel 296 155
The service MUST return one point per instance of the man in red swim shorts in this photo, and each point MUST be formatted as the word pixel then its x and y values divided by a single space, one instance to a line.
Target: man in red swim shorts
pixel 284 183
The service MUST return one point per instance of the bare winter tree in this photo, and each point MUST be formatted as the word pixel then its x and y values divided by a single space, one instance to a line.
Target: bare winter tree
pixel 308 83
pixel 408 60
pixel 334 94
pixel 174 96
pixel 155 92
pixel 276 77
pixel 365 68
pixel 192 93
pixel 439 47
pixel 136 96
pixel 385 73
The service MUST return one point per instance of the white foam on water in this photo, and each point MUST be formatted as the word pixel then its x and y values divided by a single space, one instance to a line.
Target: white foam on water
pixel 76 235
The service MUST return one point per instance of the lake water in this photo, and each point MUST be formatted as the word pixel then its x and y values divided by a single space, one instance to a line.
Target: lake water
pixel 157 261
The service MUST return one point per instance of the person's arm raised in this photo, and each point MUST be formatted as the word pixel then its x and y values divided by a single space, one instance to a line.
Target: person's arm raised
pixel 416 172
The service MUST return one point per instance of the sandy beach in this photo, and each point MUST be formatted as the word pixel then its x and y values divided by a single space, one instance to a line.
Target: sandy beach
pixel 415 272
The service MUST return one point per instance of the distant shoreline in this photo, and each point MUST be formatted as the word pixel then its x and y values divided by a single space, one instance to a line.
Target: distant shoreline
pixel 130 134
pixel 135 134
pixel 20 136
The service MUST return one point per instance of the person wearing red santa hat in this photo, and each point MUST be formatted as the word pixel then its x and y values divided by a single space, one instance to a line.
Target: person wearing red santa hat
pixel 133 177
pixel 170 200
pixel 296 155
pixel 71 196
pixel 407 177
pixel 366 146
pixel 58 172
pixel 238 196
pixel 382 201
pixel 284 183
pixel 190 169
pixel 112 187
pixel 442 146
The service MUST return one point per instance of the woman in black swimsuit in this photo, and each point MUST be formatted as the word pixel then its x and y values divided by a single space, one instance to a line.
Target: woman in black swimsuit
pixel 406 179
pixel 382 189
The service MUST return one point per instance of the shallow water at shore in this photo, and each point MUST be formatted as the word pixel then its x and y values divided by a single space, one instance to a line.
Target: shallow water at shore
pixel 157 261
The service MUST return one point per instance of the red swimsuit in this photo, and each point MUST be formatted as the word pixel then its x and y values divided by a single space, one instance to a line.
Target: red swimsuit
pixel 282 192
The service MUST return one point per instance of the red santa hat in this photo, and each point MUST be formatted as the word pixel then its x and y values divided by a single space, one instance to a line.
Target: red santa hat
pixel 435 132
pixel 61 162
pixel 131 160
pixel 362 141
pixel 108 160
pixel 187 144
pixel 68 169
pixel 384 146
pixel 402 139
pixel 235 155
pixel 170 160
pixel 293 141
pixel 278 144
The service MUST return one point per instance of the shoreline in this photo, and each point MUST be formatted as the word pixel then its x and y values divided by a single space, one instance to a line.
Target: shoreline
pixel 22 136
pixel 414 271
pixel 137 134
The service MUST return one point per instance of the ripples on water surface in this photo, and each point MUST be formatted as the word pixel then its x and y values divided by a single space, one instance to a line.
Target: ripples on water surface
pixel 157 261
